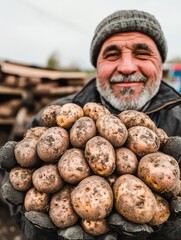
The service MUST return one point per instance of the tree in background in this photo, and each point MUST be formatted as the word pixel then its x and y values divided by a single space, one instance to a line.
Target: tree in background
pixel 53 61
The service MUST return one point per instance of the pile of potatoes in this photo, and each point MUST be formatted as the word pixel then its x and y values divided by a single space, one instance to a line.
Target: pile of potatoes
pixel 85 163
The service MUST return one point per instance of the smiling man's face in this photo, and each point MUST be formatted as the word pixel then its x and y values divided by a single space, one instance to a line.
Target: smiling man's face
pixel 129 70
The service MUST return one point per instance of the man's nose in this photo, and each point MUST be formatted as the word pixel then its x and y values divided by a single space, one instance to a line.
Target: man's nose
pixel 126 65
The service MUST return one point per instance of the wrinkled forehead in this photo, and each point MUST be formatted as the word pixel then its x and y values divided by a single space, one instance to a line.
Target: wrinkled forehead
pixel 129 38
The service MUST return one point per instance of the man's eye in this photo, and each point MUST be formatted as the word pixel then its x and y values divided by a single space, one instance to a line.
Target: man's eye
pixel 112 55
pixel 142 53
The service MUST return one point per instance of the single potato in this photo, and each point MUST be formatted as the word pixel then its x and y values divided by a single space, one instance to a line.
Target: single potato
pixel 36 201
pixel 126 161
pixel 68 115
pixel 100 155
pixel 133 199
pixel 26 152
pixel 92 198
pixel 61 211
pixel 35 132
pixel 47 179
pixel 49 115
pixel 94 110
pixel 52 144
pixel 95 227
pixel 160 172
pixel 111 128
pixel 82 130
pixel 21 178
pixel 133 118
pixel 162 135
pixel 142 140
pixel 162 212
pixel 73 166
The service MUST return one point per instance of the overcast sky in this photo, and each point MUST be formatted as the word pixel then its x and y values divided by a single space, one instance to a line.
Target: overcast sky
pixel 31 30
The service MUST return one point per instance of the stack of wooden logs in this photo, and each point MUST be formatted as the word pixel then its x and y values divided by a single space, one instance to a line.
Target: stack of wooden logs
pixel 24 90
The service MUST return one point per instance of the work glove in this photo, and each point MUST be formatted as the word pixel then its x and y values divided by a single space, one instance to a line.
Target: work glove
pixel 128 230
pixel 171 229
pixel 172 147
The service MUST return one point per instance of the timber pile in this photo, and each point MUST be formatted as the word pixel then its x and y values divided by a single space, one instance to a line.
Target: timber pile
pixel 24 90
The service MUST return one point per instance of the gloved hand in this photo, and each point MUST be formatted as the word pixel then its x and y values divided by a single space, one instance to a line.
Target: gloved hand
pixel 175 206
pixel 169 230
pixel 127 229
pixel 7 162
pixel 7 157
pixel 172 147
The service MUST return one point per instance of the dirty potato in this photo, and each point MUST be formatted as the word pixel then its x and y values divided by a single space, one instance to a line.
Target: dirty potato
pixel 100 155
pixel 160 172
pixel 162 212
pixel 111 128
pixel 82 130
pixel 26 154
pixel 47 179
pixel 35 132
pixel 132 118
pixel 52 144
pixel 133 199
pixel 162 136
pixel 92 198
pixel 36 201
pixel 142 140
pixel 94 110
pixel 73 166
pixel 49 115
pixel 61 211
pixel 95 227
pixel 112 178
pixel 126 161
pixel 68 115
pixel 21 178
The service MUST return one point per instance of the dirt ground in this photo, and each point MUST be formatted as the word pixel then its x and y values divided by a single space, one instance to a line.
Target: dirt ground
pixel 8 228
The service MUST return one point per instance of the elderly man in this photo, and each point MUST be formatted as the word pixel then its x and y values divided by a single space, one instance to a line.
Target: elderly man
pixel 128 51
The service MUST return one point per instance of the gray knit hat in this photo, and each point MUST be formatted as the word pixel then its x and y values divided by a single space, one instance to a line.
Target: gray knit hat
pixel 128 21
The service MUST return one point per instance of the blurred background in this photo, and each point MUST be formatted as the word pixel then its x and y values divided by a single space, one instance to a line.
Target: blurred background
pixel 33 32
pixel 44 54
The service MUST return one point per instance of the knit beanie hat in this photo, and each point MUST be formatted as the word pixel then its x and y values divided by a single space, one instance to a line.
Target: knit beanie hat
pixel 128 21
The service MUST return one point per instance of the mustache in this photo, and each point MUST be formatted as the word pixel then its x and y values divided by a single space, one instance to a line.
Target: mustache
pixel 128 78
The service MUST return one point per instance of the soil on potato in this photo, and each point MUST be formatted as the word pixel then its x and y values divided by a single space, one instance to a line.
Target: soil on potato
pixel 8 228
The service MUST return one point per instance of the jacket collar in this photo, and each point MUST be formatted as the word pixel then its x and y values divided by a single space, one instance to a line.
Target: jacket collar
pixel 166 96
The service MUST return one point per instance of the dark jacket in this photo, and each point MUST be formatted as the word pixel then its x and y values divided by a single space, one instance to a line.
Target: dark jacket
pixel 164 109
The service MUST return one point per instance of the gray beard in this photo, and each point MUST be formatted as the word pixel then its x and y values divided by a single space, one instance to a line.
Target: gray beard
pixel 126 102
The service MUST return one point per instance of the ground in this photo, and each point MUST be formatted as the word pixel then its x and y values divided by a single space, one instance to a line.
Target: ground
pixel 8 228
